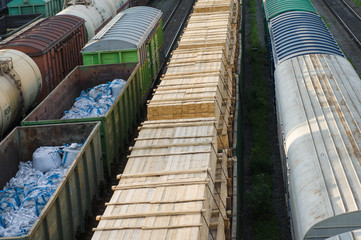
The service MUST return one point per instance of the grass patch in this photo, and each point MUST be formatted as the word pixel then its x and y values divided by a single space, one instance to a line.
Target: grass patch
pixel 260 197
pixel 267 229
pixel 353 65
pixel 324 20
pixel 357 2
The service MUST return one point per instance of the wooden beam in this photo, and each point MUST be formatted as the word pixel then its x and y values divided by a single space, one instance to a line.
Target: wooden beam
pixel 151 174
pixel 148 214
pixel 194 181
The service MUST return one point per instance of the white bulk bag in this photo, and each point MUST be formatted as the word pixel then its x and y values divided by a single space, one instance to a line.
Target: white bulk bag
pixel 70 153
pixel 46 158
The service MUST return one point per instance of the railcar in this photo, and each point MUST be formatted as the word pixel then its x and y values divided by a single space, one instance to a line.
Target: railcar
pixel 121 119
pixel 318 107
pixel 20 82
pixel 273 8
pixel 319 119
pixel 52 7
pixel 134 35
pixel 10 25
pixel 48 7
pixel 54 44
pixel 300 33
pixel 184 144
pixel 96 15
pixel 64 213
pixel 111 133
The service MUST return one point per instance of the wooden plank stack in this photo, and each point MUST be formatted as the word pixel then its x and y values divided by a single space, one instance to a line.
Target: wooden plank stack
pixel 177 183
pixel 167 190
pixel 200 78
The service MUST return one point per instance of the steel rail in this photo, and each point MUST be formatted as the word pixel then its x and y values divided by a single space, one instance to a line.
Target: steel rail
pixel 351 9
pixel 178 31
pixel 171 15
pixel 166 56
pixel 354 38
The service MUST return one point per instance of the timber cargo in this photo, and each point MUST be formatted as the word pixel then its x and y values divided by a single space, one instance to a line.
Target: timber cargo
pixel 207 49
pixel 120 120
pixel 168 185
pixel 65 211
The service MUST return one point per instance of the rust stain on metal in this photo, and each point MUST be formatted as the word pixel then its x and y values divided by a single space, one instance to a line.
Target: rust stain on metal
pixel 340 113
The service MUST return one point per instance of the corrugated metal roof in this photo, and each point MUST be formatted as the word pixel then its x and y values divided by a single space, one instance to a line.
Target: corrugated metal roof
pixel 43 36
pixel 319 111
pixel 300 33
pixel 275 7
pixel 128 30
pixel 354 235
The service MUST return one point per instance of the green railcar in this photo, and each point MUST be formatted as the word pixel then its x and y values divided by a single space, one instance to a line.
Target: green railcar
pixel 134 35
pixel 64 213
pixel 273 8
pixel 48 7
pixel 116 125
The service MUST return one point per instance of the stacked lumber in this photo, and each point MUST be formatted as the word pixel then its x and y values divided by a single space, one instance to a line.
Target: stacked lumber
pixel 167 190
pixel 207 51
pixel 218 5
pixel 210 29
pixel 177 183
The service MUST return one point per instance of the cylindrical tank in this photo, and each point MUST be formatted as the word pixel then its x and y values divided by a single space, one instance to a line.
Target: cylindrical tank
pixel 118 3
pixel 94 14
pixel 112 7
pixel 20 85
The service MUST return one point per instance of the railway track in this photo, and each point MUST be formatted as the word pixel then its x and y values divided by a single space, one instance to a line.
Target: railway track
pixel 173 25
pixel 348 18
pixel 166 22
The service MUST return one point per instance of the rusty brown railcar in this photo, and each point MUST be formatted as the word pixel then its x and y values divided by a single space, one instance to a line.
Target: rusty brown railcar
pixel 55 45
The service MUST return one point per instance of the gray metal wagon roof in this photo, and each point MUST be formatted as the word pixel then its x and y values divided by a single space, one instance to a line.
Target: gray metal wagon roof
pixel 319 109
pixel 300 33
pixel 128 30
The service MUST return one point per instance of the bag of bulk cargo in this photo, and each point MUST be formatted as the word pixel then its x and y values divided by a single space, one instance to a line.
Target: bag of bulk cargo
pixel 84 101
pixel 99 91
pixel 117 85
pixel 46 158
pixel 106 101
pixel 69 154
pixel 98 110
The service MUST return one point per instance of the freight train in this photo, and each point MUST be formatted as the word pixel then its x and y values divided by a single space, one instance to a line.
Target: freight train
pixel 54 43
pixel 117 51
pixel 52 7
pixel 319 120
pixel 135 57
pixel 177 180
pixel 197 129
